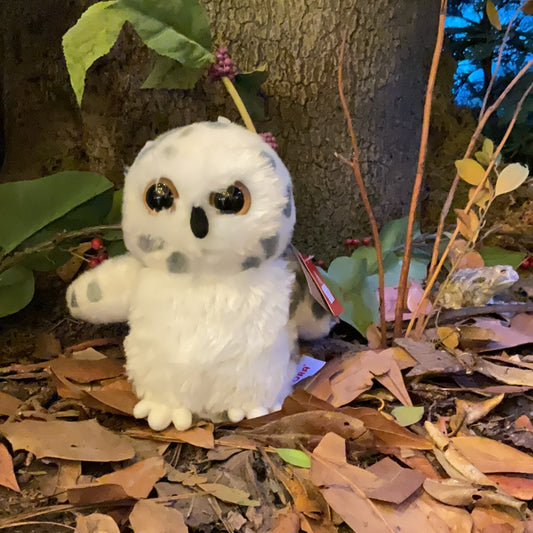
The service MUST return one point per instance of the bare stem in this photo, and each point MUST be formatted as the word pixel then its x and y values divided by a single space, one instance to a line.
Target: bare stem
pixel 16 257
pixel 239 104
pixel 404 274
pixel 477 132
pixel 364 197
pixel 417 314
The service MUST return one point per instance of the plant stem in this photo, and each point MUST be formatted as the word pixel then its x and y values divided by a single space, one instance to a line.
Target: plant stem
pixel 404 274
pixel 477 132
pixel 356 168
pixel 16 257
pixel 239 104
pixel 417 315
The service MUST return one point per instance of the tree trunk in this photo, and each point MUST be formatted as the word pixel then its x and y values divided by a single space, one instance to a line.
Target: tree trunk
pixel 387 57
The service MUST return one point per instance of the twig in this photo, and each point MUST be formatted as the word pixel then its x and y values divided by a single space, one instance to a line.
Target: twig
pixel 432 277
pixel 364 197
pixel 475 135
pixel 16 257
pixel 239 104
pixel 404 274
pixel 34 523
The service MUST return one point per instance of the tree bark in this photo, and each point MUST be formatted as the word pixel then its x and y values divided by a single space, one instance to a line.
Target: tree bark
pixel 389 46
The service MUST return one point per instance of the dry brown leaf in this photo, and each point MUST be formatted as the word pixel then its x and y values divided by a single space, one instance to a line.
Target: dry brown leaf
pixel 519 487
pixel 148 516
pixel 68 270
pixel 449 336
pixel 200 436
pixel 8 404
pixel 307 429
pixel 467 224
pixel 470 412
pixel 388 431
pixel 85 371
pixel 484 517
pixel 323 525
pixel 67 476
pixel 92 494
pixel 287 522
pixel 470 260
pixel 523 422
pixel 7 475
pixel 505 374
pixel 228 494
pixel 76 441
pixel 418 461
pixel 96 523
pixel 491 456
pixel 117 398
pixel 47 346
pixel 518 332
pixel 373 335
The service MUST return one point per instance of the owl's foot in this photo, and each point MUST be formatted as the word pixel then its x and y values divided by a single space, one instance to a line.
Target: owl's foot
pixel 160 416
pixel 237 414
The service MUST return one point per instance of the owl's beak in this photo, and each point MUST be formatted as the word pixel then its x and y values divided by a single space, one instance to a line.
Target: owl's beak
pixel 199 222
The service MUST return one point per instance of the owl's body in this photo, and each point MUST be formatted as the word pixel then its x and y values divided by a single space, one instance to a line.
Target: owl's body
pixel 208 213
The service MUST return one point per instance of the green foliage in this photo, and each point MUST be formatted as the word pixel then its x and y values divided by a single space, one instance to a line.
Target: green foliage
pixel 493 256
pixel 354 279
pixel 248 85
pixel 33 213
pixel 407 415
pixel 294 457
pixel 178 31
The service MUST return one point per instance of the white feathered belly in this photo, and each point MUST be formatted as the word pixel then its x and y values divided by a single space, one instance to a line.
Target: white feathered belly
pixel 211 344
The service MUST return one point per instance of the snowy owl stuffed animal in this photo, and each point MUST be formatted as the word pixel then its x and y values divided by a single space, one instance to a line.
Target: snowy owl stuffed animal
pixel 208 212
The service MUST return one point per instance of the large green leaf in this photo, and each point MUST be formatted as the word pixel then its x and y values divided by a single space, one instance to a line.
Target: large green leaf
pixel 393 233
pixel 91 38
pixel 28 206
pixel 169 74
pixel 170 28
pixel 248 85
pixel 16 289
pixel 493 256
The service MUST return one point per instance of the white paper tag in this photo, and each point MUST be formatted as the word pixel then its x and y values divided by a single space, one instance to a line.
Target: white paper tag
pixel 308 366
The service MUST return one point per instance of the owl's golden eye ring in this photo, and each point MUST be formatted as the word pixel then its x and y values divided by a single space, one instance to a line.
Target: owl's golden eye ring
pixel 159 195
pixel 235 200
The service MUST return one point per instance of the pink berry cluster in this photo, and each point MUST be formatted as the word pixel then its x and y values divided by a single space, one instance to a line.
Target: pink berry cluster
pixel 97 246
pixel 527 263
pixel 355 243
pixel 269 139
pixel 223 67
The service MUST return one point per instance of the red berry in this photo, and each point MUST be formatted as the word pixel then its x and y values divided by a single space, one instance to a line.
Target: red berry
pixel 97 244
pixel 348 242
pixel 366 241
pixel 356 243
pixel 93 262
pixel 320 263
pixel 102 256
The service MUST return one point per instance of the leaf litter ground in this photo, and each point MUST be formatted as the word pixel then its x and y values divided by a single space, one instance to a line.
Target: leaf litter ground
pixel 455 457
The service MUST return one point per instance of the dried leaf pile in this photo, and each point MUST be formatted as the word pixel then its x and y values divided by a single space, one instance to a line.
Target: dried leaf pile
pixel 378 441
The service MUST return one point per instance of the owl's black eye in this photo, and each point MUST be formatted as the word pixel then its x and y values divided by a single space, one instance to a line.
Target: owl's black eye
pixel 160 195
pixel 235 200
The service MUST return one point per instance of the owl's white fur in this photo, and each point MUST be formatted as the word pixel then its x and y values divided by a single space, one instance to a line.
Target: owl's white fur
pixel 209 317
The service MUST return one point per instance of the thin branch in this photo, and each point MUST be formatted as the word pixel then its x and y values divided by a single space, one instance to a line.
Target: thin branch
pixel 404 274
pixel 477 132
pixel 364 197
pixel 13 259
pixel 417 314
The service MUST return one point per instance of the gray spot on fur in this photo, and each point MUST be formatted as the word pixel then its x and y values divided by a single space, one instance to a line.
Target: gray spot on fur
pixel 250 262
pixel 149 244
pixel 73 300
pixel 217 124
pixel 170 150
pixel 94 292
pixel 177 263
pixel 318 311
pixel 287 210
pixel 270 160
pixel 269 245
pixel 298 293
pixel 186 130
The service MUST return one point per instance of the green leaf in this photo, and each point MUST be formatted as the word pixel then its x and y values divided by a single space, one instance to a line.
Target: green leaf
pixel 89 39
pixel 392 234
pixel 482 158
pixel 493 256
pixel 344 271
pixel 407 415
pixel 172 29
pixel 248 85
pixel 488 147
pixel 294 457
pixel 169 74
pixel 510 178
pixel 115 213
pixel 28 206
pixel 16 289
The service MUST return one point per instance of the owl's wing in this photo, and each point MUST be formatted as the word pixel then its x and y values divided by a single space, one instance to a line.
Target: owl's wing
pixel 103 294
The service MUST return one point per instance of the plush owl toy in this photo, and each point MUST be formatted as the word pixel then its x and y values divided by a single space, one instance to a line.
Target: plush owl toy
pixel 208 214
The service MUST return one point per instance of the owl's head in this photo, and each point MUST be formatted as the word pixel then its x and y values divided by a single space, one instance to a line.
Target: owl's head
pixel 209 197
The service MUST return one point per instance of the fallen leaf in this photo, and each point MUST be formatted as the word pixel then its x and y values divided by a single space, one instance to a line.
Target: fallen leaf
pixel 7 475
pixel 228 494
pixel 200 436
pixel 518 332
pixel 294 457
pixel 474 337
pixel 67 476
pixel 96 523
pixel 449 336
pixel 8 404
pixel 470 260
pixel 491 456
pixel 519 487
pixel 470 412
pixel 487 517
pixel 76 441
pixel 418 461
pixel 287 522
pixel 523 422
pixel 408 415
pixel 373 335
pixel 504 374
pixel 148 516
pixel 86 371
pixel 70 268
pixel 47 346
